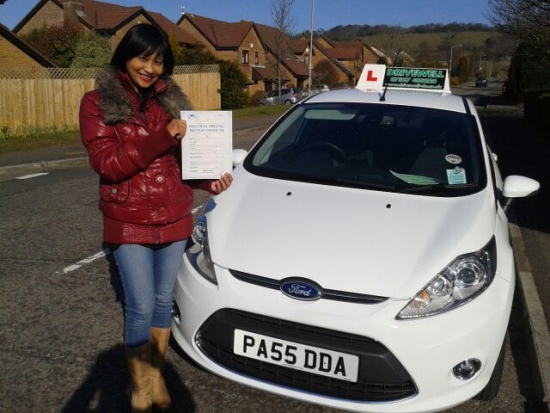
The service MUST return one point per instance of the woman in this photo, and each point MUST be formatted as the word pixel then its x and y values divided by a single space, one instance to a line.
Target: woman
pixel 129 125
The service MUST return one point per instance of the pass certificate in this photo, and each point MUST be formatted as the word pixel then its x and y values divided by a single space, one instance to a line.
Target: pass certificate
pixel 207 144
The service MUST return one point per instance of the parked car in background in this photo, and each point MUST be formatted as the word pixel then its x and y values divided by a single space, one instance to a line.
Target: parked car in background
pixel 341 85
pixel 481 81
pixel 361 259
pixel 288 97
pixel 314 90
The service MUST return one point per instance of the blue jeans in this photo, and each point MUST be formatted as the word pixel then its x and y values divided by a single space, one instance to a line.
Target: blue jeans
pixel 148 274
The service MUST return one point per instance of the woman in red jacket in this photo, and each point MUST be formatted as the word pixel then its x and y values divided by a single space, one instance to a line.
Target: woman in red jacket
pixel 131 128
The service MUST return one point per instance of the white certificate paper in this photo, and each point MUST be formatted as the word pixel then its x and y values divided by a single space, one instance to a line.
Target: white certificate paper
pixel 207 145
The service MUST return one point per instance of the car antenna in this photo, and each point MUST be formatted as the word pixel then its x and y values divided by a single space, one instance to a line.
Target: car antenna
pixel 383 97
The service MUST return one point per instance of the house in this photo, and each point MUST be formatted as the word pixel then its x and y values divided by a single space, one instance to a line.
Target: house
pixel 107 19
pixel 353 54
pixel 235 42
pixel 326 68
pixel 294 70
pixel 265 56
pixel 255 47
pixel 14 52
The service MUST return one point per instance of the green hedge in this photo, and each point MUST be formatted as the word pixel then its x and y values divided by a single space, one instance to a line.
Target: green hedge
pixel 536 110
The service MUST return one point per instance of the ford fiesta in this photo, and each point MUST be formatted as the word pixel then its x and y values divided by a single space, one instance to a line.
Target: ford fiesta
pixel 361 259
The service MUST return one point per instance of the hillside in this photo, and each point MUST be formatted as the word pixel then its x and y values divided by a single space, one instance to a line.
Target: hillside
pixel 432 42
pixel 413 42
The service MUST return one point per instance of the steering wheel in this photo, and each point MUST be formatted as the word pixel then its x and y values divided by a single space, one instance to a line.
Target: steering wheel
pixel 336 152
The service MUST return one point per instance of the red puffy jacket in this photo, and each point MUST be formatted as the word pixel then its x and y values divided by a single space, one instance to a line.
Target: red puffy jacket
pixel 141 194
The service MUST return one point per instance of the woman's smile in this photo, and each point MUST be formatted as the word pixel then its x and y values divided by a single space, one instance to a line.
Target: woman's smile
pixel 144 71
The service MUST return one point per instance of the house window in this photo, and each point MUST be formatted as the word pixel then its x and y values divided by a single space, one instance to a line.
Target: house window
pixel 245 57
pixel 256 58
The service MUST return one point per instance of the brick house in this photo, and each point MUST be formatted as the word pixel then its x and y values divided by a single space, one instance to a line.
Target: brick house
pixel 14 52
pixel 353 54
pixel 107 19
pixel 235 42
pixel 320 56
pixel 253 47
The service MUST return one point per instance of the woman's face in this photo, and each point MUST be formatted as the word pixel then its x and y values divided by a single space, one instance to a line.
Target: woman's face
pixel 144 71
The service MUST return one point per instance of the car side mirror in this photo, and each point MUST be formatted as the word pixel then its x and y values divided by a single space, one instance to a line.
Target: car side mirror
pixel 238 156
pixel 516 186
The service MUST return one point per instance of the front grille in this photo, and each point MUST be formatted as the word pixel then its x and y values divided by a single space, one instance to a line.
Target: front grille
pixel 327 294
pixel 381 376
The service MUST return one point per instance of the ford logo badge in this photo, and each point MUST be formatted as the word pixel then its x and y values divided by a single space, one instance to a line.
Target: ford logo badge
pixel 301 289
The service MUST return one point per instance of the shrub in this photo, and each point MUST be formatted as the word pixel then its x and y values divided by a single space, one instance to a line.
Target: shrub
pixel 536 109
pixel 233 82
pixel 92 50
pixel 256 98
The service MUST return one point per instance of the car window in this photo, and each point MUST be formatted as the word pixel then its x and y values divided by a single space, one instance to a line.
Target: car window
pixel 399 148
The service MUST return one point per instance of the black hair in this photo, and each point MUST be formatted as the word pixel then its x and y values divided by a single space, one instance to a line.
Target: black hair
pixel 143 39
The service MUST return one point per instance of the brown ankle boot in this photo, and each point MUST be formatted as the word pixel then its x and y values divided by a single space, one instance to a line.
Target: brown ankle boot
pixel 159 346
pixel 139 364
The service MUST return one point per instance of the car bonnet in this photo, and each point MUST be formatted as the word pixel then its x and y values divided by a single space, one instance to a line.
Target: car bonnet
pixel 364 241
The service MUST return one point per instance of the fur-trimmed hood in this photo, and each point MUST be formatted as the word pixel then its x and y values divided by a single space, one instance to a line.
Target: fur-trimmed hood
pixel 116 93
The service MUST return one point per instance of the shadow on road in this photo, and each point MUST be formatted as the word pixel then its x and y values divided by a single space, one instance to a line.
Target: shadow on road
pixel 107 385
pixel 106 388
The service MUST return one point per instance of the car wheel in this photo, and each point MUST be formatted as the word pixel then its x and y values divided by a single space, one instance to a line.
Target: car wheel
pixel 491 389
pixel 288 102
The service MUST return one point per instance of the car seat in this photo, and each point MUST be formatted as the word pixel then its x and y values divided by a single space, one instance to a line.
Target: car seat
pixel 431 160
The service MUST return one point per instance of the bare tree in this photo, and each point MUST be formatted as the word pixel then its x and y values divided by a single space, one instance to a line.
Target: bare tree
pixel 284 21
pixel 397 47
pixel 525 20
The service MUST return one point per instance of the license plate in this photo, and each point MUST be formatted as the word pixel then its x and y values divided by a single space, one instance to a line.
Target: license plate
pixel 298 356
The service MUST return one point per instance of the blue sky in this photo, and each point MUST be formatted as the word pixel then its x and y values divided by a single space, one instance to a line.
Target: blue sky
pixel 327 13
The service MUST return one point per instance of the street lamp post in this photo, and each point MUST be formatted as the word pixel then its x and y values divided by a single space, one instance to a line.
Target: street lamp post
pixel 451 58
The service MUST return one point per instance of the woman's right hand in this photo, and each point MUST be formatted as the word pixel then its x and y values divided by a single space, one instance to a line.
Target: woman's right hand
pixel 177 128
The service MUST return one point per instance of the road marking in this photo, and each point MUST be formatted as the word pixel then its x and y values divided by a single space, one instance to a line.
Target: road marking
pixel 101 254
pixel 88 260
pixel 32 175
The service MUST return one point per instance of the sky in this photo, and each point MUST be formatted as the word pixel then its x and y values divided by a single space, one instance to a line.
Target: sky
pixel 326 13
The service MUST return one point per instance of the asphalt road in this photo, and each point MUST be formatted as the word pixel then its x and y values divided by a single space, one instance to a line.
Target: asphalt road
pixel 61 315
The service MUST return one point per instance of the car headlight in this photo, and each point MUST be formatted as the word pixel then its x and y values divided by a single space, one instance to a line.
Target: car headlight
pixel 462 280
pixel 199 251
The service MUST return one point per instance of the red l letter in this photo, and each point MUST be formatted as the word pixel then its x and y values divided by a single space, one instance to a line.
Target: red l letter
pixel 370 77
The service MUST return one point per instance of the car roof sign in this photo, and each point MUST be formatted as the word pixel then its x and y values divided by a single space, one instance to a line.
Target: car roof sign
pixel 379 77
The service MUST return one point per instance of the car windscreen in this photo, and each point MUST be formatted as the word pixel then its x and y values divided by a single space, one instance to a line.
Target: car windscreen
pixel 385 147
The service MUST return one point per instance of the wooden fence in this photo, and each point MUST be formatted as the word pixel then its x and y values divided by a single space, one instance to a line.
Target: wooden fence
pixel 49 99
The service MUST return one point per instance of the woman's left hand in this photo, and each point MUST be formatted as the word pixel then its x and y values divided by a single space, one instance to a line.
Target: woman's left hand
pixel 220 185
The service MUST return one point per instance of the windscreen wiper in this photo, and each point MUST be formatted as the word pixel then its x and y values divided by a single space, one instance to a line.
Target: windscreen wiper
pixel 437 187
pixel 354 183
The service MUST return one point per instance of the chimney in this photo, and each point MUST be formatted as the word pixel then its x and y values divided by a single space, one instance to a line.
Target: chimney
pixel 72 11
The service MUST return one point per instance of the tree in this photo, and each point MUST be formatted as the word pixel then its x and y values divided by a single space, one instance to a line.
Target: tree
pixel 197 54
pixel 528 70
pixel 92 50
pixel 326 74
pixel 57 43
pixel 284 23
pixel 233 82
pixel 395 46
pixel 526 20
pixel 463 69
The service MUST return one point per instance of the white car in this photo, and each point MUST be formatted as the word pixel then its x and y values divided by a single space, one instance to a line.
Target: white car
pixel 361 258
